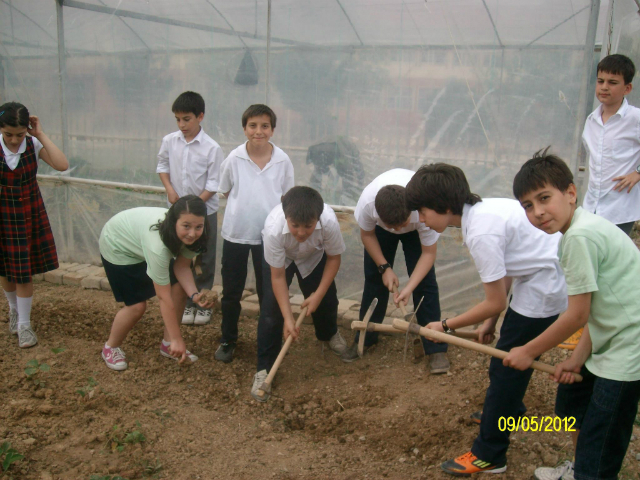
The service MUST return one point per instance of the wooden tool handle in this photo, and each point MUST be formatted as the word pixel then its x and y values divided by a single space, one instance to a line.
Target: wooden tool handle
pixel 403 309
pixel 380 327
pixel 460 342
pixel 283 352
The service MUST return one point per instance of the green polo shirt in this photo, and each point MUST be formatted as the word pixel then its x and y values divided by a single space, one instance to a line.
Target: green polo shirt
pixel 598 257
pixel 127 239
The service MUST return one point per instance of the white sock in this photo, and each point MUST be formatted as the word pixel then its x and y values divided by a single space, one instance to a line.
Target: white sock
pixel 11 298
pixel 24 311
pixel 165 343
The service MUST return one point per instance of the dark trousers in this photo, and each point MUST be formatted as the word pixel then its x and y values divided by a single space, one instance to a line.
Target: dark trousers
pixel 208 265
pixel 507 386
pixel 374 288
pixel 626 227
pixel 604 412
pixel 271 322
pixel 234 275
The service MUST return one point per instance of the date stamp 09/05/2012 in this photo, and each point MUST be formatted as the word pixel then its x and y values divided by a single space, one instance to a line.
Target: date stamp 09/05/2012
pixel 537 424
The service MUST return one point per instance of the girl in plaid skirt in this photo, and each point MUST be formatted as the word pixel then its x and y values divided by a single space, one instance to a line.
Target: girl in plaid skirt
pixel 26 242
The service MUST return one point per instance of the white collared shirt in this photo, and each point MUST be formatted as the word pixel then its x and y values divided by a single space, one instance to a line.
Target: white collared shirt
pixel 252 192
pixel 503 243
pixel 614 151
pixel 193 167
pixel 12 159
pixel 281 248
pixel 367 216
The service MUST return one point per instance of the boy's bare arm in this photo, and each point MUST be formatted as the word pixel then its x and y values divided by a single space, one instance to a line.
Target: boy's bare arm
pixel 206 195
pixel 567 324
pixel 171 193
pixel 425 262
pixel 281 292
pixel 329 273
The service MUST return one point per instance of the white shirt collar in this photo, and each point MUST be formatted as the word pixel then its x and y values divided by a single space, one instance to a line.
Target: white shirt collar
pixel 244 154
pixel 464 221
pixel 21 150
pixel 197 138
pixel 622 111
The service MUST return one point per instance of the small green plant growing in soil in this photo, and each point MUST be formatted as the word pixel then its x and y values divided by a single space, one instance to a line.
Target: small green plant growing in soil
pixel 151 470
pixel 118 439
pixel 88 388
pixel 10 456
pixel 34 367
pixel 58 350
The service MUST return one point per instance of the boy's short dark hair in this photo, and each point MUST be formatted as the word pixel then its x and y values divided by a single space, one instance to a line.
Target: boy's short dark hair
pixel 617 64
pixel 188 102
pixel 543 169
pixel 302 205
pixel 391 205
pixel 258 110
pixel 440 187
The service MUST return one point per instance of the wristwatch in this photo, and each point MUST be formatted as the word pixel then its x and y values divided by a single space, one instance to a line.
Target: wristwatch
pixel 638 169
pixel 445 327
pixel 383 267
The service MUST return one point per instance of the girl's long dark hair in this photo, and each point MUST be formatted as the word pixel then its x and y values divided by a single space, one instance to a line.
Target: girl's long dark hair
pixel 14 115
pixel 167 227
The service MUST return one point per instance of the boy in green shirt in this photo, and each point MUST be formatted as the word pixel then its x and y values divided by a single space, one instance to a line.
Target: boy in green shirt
pixel 601 266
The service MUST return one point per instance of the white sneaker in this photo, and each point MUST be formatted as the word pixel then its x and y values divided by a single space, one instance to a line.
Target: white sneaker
pixel 564 471
pixel 203 316
pixel 26 336
pixel 13 323
pixel 337 344
pixel 258 380
pixel 189 316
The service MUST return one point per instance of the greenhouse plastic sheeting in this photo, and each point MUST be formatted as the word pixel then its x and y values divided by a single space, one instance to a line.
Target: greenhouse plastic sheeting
pixel 359 87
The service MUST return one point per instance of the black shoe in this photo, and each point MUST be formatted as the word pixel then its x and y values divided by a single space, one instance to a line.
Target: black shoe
pixel 225 352
pixel 351 353
pixel 476 417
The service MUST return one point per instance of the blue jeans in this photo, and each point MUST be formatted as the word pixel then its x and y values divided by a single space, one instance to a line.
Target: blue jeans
pixel 604 411
pixel 271 321
pixel 374 288
pixel 507 386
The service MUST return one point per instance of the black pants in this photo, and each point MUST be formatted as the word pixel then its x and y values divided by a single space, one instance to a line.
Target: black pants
pixel 271 322
pixel 234 275
pixel 374 288
pixel 626 227
pixel 507 386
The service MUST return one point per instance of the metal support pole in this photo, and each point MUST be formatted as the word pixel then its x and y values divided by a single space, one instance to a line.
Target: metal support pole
pixel 268 51
pixel 62 73
pixel 585 102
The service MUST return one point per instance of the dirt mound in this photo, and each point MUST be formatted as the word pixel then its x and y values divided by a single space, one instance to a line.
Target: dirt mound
pixel 376 418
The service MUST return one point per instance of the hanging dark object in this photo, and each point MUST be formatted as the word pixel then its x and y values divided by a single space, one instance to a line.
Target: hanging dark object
pixel 248 72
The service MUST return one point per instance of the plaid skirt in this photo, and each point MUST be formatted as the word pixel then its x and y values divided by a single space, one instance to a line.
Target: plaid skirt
pixel 26 240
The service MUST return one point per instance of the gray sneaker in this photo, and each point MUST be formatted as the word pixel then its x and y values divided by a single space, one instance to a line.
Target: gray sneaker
pixel 224 353
pixel 26 337
pixel 13 322
pixel 438 363
pixel 351 353
pixel 337 344
pixel 258 380
pixel 564 471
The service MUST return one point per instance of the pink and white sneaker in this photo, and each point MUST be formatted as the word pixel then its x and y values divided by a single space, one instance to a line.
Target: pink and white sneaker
pixel 164 350
pixel 114 358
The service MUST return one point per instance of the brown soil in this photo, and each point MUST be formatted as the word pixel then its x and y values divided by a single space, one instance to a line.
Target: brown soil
pixel 375 418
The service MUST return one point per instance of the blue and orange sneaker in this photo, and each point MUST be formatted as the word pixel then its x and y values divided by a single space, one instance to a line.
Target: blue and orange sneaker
pixel 468 464
pixel 572 342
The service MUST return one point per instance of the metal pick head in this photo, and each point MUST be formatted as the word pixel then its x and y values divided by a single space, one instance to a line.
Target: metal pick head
pixel 412 319
pixel 365 320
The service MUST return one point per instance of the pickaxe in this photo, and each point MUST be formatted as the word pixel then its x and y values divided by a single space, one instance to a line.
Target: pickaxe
pixel 266 385
pixel 444 337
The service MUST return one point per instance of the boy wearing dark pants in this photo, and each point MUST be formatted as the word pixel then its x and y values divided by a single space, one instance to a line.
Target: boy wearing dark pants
pixel 189 164
pixel 302 237
pixel 385 221
pixel 254 178
pixel 601 266
pixel 509 253
pixel 612 137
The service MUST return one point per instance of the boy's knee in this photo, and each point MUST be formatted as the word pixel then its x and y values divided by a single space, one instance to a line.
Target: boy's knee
pixel 138 309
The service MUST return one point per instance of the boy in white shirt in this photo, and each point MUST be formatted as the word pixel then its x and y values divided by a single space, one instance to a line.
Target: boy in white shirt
pixel 612 137
pixel 302 237
pixel 384 221
pixel 189 164
pixel 509 253
pixel 254 177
